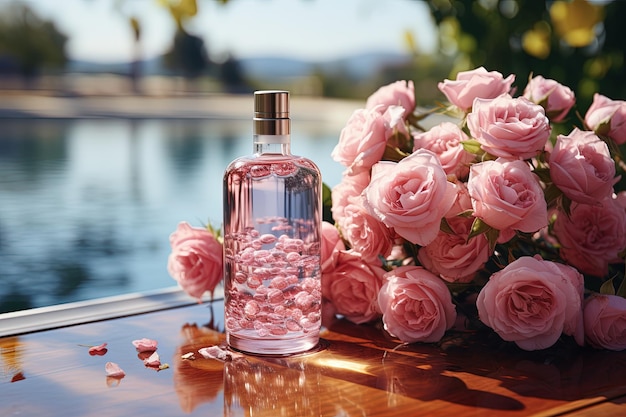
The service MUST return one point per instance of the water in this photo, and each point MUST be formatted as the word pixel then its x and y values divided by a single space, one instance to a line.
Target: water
pixel 87 206
pixel 272 246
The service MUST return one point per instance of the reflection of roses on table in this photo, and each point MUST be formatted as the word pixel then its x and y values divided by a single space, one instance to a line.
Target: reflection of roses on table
pixel 196 380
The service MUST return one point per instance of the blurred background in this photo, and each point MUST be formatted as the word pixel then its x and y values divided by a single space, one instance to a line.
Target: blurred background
pixel 118 117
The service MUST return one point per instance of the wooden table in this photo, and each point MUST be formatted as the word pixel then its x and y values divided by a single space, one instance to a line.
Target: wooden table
pixel 357 371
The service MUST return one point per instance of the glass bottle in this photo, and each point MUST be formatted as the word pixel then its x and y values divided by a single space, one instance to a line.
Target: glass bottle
pixel 272 239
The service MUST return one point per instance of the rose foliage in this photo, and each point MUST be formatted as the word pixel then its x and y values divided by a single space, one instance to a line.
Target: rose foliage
pixel 499 211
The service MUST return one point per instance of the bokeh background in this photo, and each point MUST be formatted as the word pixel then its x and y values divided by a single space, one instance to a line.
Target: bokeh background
pixel 118 117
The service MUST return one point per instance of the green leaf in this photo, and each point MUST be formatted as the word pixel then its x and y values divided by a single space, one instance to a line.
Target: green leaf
pixel 445 227
pixel 327 203
pixel 607 288
pixel 543 174
pixel 326 195
pixel 567 204
pixel 492 237
pixel 604 128
pixel 216 232
pixel 466 213
pixel 621 291
pixel 551 194
pixel 393 154
pixel 478 227
pixel 472 146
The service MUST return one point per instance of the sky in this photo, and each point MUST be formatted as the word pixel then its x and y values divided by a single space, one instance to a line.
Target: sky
pixel 317 30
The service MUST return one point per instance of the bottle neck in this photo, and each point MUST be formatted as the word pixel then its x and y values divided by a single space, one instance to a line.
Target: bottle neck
pixel 272 144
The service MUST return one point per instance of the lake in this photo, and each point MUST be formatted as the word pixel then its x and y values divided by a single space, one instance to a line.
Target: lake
pixel 87 205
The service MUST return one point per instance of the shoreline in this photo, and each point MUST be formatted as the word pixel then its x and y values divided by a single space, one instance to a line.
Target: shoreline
pixel 333 112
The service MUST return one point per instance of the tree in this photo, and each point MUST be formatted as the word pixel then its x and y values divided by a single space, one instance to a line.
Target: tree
pixel 577 43
pixel 29 44
pixel 188 53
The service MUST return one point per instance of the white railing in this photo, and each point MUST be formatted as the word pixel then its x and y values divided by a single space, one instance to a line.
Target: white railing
pixel 60 315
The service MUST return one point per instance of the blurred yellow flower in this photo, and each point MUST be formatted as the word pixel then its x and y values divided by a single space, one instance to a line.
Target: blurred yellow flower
pixel 575 21
pixel 536 41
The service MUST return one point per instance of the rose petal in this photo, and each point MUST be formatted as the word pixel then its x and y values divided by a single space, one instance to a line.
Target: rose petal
pixel 99 350
pixel 152 360
pixel 145 345
pixel 219 353
pixel 113 370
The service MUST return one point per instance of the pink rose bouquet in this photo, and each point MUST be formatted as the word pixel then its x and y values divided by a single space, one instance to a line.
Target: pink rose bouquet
pixel 489 208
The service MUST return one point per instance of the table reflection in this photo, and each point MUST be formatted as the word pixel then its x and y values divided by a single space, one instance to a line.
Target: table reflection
pixel 11 359
pixel 196 380
pixel 254 388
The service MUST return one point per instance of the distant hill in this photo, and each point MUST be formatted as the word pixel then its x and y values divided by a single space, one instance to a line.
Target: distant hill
pixel 264 67
pixel 149 67
pixel 357 66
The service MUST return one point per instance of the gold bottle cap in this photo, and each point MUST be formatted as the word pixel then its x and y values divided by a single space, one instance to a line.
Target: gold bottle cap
pixel 271 112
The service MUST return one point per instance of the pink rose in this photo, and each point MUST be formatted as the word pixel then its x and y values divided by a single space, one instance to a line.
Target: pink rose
pixel 411 196
pixel 507 196
pixel 416 305
pixel 607 117
pixel 351 185
pixel 331 245
pixel 581 166
pixel 366 235
pixel 509 127
pixel 605 321
pixel 453 256
pixel 557 99
pixel 352 287
pixel 400 93
pixel 363 140
pixel 462 203
pixel 196 260
pixel 445 141
pixel 532 302
pixel 592 236
pixel 477 83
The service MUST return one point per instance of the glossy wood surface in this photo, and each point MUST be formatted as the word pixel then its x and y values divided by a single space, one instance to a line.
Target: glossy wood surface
pixel 356 371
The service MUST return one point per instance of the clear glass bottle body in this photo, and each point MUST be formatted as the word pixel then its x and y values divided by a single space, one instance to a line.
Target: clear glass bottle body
pixel 272 244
